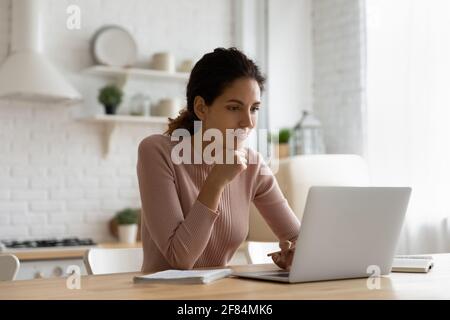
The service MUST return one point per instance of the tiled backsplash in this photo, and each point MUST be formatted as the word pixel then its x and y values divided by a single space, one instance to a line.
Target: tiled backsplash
pixel 55 180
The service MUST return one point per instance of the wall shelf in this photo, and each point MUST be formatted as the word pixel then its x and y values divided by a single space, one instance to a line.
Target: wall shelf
pixel 125 73
pixel 122 77
pixel 110 123
pixel 115 119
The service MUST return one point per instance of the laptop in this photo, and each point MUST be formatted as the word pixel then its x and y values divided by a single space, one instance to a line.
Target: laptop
pixel 346 232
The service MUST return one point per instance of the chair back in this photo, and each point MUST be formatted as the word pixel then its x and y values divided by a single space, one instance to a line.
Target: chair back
pixel 106 261
pixel 9 267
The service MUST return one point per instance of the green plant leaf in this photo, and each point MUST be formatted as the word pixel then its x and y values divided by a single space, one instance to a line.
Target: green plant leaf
pixel 110 95
pixel 284 135
pixel 128 216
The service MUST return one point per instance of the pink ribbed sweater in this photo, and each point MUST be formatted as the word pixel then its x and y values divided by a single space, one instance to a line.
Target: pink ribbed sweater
pixel 179 232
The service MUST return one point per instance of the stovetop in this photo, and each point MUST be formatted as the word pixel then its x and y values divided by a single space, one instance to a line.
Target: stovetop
pixel 13 245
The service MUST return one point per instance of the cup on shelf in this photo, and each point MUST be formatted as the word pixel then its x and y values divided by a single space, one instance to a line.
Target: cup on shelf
pixel 140 105
pixel 163 61
pixel 186 66
pixel 167 108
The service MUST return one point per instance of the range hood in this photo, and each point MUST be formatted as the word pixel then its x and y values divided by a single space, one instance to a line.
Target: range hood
pixel 26 74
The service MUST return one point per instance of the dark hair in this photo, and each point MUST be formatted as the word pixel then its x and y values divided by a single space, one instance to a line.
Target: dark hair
pixel 210 76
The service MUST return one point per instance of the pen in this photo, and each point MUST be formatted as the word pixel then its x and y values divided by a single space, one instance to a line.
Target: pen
pixel 272 253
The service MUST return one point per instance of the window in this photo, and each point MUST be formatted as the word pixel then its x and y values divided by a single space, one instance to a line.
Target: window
pixel 408 112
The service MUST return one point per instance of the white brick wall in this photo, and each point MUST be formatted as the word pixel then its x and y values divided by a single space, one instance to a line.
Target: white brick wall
pixel 54 180
pixel 339 79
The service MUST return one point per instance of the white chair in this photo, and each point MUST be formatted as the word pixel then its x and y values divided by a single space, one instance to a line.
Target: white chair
pixel 295 175
pixel 106 261
pixel 9 267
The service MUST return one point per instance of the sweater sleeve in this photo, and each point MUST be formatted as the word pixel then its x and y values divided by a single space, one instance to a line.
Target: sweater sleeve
pixel 273 206
pixel 181 240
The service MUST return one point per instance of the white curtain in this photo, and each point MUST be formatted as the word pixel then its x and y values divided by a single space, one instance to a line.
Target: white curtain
pixel 408 113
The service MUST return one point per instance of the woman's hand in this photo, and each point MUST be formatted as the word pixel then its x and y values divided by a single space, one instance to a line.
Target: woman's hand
pixel 226 172
pixel 283 258
pixel 218 178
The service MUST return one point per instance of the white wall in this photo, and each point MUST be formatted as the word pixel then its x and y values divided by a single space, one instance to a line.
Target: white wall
pixel 4 27
pixel 339 73
pixel 54 180
pixel 290 61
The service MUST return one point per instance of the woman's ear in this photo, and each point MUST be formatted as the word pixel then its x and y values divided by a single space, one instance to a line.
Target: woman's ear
pixel 200 108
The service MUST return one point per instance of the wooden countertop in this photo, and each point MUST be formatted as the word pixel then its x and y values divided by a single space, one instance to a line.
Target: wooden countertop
pixel 433 285
pixel 65 253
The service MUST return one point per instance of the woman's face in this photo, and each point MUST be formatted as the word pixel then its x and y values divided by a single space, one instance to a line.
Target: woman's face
pixel 236 108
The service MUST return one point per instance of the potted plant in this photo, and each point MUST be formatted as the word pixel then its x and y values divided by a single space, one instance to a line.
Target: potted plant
pixel 110 97
pixel 283 147
pixel 127 220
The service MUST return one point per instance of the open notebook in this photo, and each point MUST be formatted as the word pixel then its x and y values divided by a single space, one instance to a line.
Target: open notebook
pixel 411 263
pixel 184 276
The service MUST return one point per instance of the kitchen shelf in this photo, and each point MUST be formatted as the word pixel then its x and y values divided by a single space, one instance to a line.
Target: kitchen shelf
pixel 122 77
pixel 110 123
pixel 105 118
pixel 125 73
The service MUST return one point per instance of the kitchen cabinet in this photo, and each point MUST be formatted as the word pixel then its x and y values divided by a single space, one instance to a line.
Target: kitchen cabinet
pixel 54 262
pixel 39 269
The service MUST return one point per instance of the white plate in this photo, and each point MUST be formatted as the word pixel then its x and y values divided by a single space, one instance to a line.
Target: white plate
pixel 114 46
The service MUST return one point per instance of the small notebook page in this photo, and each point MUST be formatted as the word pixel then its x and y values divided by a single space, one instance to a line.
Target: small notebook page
pixel 191 276
pixel 412 265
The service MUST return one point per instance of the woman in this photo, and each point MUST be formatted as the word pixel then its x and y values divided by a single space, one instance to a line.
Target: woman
pixel 196 215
